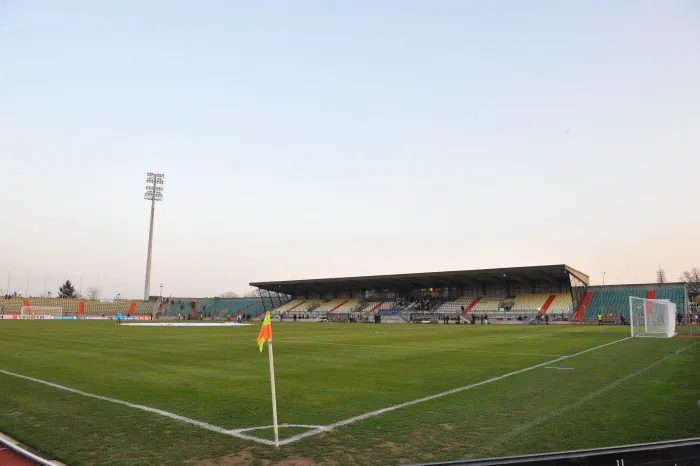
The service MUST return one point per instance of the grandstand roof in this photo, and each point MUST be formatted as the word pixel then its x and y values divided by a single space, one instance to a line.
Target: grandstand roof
pixel 537 275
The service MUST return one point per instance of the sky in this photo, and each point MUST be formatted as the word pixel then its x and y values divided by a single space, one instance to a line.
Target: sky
pixel 315 139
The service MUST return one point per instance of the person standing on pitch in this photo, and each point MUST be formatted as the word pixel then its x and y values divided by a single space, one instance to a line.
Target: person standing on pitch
pixel 600 319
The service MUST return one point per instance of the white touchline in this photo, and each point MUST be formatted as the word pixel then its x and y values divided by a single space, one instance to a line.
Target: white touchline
pixel 316 429
pixel 439 395
pixel 586 398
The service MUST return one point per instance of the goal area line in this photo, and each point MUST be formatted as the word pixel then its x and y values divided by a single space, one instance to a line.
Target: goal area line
pixel 314 429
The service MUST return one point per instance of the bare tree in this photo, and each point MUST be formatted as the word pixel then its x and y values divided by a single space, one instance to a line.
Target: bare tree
pixel 92 293
pixel 692 278
pixel 252 293
pixel 230 295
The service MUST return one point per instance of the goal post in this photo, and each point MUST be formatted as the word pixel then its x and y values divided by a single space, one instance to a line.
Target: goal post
pixel 652 318
pixel 42 311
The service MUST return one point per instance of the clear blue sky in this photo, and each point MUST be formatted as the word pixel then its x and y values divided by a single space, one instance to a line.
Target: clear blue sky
pixel 316 138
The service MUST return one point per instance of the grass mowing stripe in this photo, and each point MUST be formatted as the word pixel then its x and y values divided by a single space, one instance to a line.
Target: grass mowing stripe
pixel 177 417
pixel 362 417
pixel 585 399
pixel 284 340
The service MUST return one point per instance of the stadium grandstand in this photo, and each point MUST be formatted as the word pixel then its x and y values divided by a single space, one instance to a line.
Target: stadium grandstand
pixel 558 293
pixel 77 307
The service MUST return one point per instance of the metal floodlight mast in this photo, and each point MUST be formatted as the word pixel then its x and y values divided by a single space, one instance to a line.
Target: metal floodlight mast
pixel 153 193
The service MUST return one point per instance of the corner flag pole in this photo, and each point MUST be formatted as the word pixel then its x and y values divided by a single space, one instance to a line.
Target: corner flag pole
pixel 274 396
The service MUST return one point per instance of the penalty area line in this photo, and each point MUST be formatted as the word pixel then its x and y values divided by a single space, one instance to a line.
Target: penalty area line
pixel 362 417
pixel 234 432
pixel 585 399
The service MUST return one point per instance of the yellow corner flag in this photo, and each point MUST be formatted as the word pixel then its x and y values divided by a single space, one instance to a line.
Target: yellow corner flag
pixel 265 332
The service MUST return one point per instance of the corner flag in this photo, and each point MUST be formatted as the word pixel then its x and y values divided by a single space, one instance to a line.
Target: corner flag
pixel 266 335
pixel 265 332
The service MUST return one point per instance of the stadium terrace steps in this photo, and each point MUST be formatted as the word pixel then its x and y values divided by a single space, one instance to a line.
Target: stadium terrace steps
pixel 582 308
pixel 674 294
pixel 530 302
pixel 254 304
pixel 362 307
pixel 455 307
pixel 548 303
pixel 488 304
pixel 471 307
pixel 212 307
pixel 78 306
pixel 374 308
pixel 292 307
pixel 300 306
pixel 522 304
pixel 343 306
pixel 324 306
pixel 561 303
pixel 348 306
pixel 613 303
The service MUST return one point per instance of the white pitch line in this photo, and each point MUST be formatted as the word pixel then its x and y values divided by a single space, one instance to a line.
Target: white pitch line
pixel 317 429
pixel 585 399
pixel 304 426
pixel 560 368
pixel 177 417
pixel 362 417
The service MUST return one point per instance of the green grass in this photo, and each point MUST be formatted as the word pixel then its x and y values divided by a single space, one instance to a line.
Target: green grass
pixel 330 372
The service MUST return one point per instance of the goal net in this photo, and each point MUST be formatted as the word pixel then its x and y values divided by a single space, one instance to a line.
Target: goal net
pixel 652 318
pixel 42 311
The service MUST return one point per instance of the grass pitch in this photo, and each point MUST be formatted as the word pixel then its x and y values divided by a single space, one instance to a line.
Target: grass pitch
pixel 632 391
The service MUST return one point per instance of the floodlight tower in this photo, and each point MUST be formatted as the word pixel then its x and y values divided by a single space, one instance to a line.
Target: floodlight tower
pixel 153 193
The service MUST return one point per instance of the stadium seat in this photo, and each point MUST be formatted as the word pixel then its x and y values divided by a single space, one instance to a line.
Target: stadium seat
pixel 611 303
pixel 530 302
pixel 676 295
pixel 562 303
pixel 347 306
pixel 329 305
pixel 455 307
